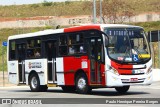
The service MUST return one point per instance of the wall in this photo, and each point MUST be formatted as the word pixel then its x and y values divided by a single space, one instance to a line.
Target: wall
pixel 71 20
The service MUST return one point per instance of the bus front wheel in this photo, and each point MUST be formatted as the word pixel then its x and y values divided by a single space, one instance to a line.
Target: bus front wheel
pixel 122 90
pixel 82 86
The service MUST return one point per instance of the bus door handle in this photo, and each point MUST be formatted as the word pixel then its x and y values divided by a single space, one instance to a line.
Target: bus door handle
pixel 10 73
pixel 50 61
pixel 20 63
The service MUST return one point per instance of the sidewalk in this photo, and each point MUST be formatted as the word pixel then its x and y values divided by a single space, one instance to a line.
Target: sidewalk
pixel 156 75
pixel 6 82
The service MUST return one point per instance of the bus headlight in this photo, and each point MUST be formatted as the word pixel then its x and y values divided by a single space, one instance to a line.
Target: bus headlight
pixel 149 70
pixel 113 70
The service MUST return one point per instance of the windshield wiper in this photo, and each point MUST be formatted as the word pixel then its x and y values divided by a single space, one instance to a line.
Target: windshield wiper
pixel 129 43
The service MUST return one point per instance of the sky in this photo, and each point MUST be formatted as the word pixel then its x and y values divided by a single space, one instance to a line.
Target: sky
pixel 19 2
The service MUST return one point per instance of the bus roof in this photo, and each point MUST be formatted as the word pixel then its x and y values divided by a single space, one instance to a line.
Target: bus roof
pixel 72 29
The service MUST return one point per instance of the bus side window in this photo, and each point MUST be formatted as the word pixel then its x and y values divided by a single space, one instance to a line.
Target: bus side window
pixel 30 53
pixel 63 50
pixel 63 40
pixel 33 48
pixel 12 51
pixel 76 43
pixel 63 45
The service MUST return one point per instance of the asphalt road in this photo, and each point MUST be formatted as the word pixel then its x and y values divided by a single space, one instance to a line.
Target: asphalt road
pixel 152 91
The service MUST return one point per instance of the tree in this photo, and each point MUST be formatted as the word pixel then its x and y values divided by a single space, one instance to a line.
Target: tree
pixel 115 11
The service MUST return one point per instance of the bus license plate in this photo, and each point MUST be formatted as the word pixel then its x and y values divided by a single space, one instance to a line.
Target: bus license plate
pixel 133 79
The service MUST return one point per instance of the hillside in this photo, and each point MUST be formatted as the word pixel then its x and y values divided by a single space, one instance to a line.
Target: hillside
pixel 71 8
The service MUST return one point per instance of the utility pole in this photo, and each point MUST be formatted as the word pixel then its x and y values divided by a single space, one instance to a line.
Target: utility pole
pixel 4 43
pixel 3 65
pixel 94 11
pixel 100 12
pixel 158 48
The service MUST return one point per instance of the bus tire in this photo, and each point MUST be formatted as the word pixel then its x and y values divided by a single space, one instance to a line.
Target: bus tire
pixel 34 83
pixel 82 86
pixel 68 88
pixel 122 90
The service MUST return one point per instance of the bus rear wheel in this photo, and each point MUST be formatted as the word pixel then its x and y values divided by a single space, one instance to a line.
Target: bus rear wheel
pixel 82 86
pixel 122 90
pixel 34 84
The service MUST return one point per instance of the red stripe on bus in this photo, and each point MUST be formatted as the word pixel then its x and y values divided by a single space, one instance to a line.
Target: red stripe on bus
pixel 122 69
pixel 71 65
pixel 103 75
pixel 81 28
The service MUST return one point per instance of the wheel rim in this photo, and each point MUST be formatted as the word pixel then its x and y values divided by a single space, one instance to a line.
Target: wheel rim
pixel 81 83
pixel 34 82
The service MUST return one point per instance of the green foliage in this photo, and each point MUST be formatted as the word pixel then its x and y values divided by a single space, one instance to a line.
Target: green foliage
pixel 149 25
pixel 34 30
pixel 46 3
pixel 67 2
pixel 49 27
pixel 34 5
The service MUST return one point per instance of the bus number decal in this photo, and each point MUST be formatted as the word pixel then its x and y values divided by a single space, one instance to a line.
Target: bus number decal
pixel 84 64
pixel 34 65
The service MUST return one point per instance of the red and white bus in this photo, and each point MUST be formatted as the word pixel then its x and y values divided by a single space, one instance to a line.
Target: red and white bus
pixel 81 58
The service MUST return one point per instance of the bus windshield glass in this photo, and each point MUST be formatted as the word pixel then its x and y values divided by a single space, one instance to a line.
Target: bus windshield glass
pixel 128 45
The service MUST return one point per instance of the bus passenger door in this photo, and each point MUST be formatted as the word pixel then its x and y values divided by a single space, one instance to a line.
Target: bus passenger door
pixel 21 61
pixel 95 54
pixel 50 47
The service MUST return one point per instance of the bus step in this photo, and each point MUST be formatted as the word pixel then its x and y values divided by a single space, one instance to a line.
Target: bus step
pixel 52 85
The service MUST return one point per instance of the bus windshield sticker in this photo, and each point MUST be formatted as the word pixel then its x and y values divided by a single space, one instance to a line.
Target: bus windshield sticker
pixel 84 64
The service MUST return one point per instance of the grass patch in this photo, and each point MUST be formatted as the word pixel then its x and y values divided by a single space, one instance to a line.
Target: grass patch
pixel 148 26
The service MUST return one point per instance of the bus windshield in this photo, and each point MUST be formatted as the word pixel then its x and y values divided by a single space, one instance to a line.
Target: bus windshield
pixel 128 45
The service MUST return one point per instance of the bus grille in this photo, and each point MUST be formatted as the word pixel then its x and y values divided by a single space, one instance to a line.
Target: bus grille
pixel 129 80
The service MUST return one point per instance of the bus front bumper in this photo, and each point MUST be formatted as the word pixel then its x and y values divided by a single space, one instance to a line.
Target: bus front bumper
pixel 113 80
